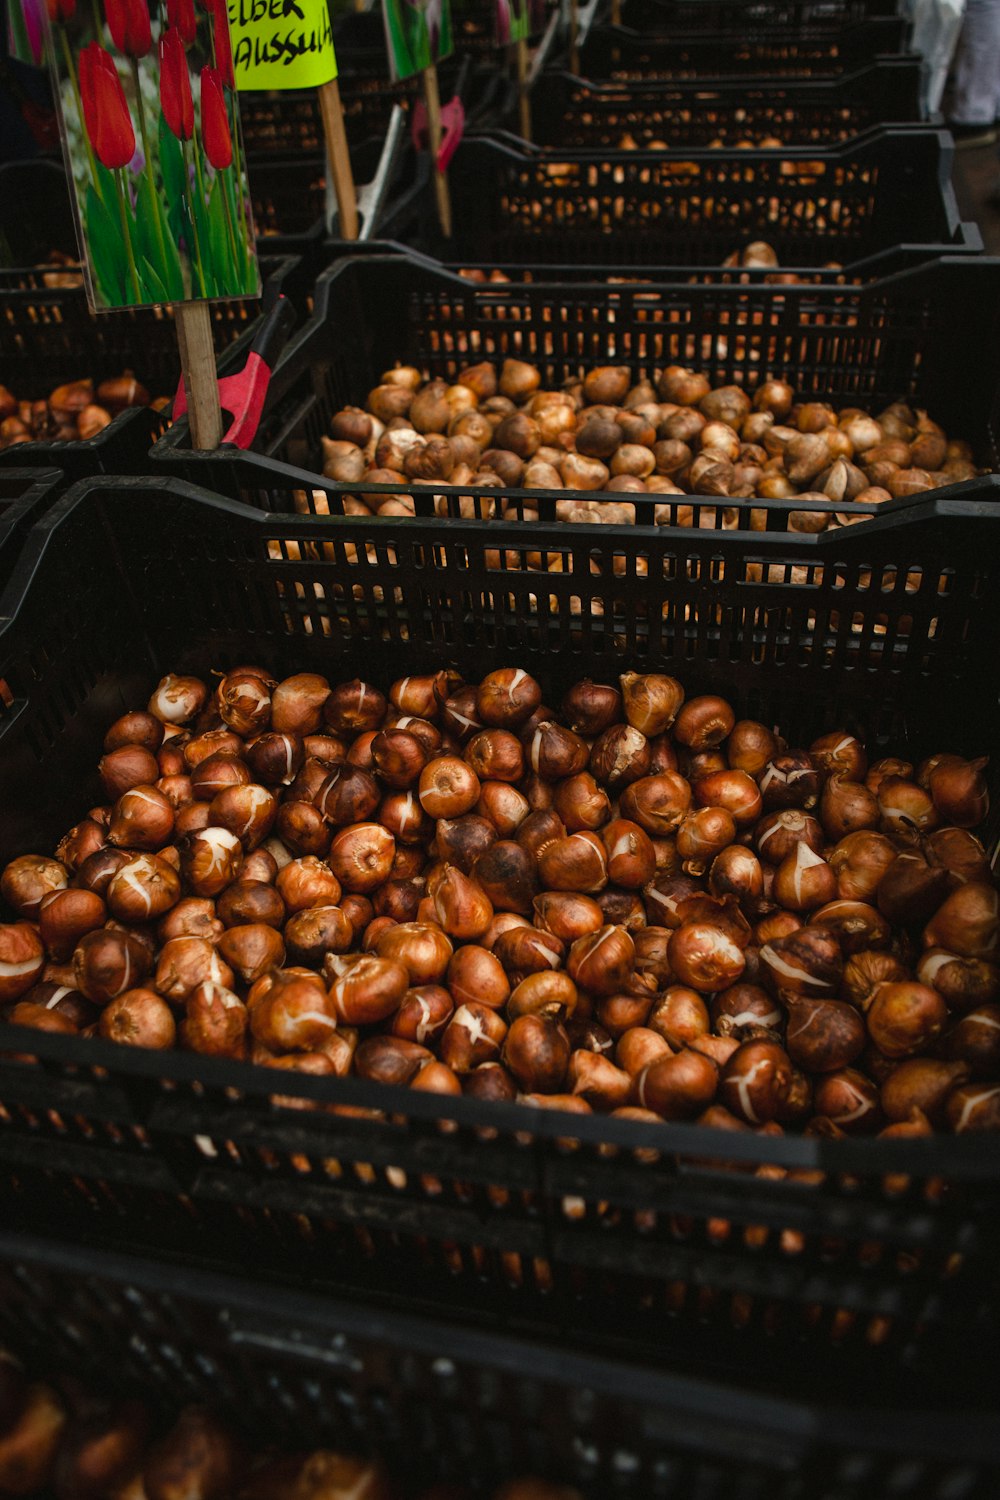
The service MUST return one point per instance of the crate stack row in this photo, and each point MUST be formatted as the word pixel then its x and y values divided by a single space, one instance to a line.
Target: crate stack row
pixel 473 1293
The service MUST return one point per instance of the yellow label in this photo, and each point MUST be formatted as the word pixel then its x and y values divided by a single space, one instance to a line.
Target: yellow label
pixel 281 44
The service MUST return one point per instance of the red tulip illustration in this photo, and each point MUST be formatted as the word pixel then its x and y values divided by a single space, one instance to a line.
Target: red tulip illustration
pixel 223 46
pixel 128 22
pixel 180 13
pixel 105 110
pixel 175 85
pixel 214 121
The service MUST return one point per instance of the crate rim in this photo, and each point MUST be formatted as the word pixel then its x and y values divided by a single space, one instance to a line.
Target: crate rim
pixel 958 1156
pixel 964 498
pixel 778 1419
pixel 726 83
pixel 516 147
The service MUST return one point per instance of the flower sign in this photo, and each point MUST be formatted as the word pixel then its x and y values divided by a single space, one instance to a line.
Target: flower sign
pixel 151 136
pixel 282 44
pixel 517 20
pixel 419 34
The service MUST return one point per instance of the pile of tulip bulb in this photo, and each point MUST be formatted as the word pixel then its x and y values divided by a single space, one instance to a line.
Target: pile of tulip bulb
pixel 73 411
pixel 76 1446
pixel 606 433
pixel 632 904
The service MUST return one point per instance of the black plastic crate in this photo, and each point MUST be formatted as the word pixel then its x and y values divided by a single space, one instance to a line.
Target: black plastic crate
pixel 694 206
pixel 437 1403
pixel 751 16
pixel 533 1220
pixel 617 52
pixel 930 335
pixel 24 494
pixel 571 112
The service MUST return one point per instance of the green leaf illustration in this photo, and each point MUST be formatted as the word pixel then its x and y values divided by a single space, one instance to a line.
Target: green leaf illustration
pixel 174 181
pixel 107 253
pixel 227 278
pixel 204 239
pixel 168 274
pixel 242 256
pixel 153 287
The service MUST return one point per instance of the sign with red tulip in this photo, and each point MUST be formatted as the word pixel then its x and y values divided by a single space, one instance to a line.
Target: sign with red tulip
pixel 419 34
pixel 282 44
pixel 151 135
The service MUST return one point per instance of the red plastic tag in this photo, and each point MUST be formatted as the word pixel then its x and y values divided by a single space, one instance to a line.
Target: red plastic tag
pixel 452 129
pixel 242 395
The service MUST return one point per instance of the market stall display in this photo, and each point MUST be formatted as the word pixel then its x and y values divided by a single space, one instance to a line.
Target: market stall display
pixel 499 932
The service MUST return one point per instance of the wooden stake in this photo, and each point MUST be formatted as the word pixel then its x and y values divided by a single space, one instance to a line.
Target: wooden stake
pixel 523 97
pixel 574 51
pixel 432 101
pixel 194 339
pixel 339 158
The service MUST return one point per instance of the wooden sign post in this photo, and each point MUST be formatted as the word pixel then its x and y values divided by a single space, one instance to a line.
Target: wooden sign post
pixel 194 338
pixel 419 35
pixel 339 159
pixel 278 47
pixel 432 103
pixel 523 97
pixel 151 137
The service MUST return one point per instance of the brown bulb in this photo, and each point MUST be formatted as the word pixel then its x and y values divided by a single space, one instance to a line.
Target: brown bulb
pixel 703 722
pixel 744 1011
pixel 923 1084
pixel 806 962
pixel 789 780
pixel 460 841
pixel 967 923
pixel 974 1107
pixel 658 803
pixel 823 1035
pixel 601 962
pixel 778 834
pixel 677 1087
pixel 651 701
pixel 858 927
pixel 537 1051
pixel 962 982
pixel 865 971
pixel 840 753
pixel 859 861
pixel 960 853
pixel 803 881
pixel 704 957
pixel 905 1017
pixel 974 1040
pixel 619 756
pixel 846 806
pixel 756 1082
pixel 750 746
pixel 850 1100
pixel 703 834
pixel 581 803
pixel 590 708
